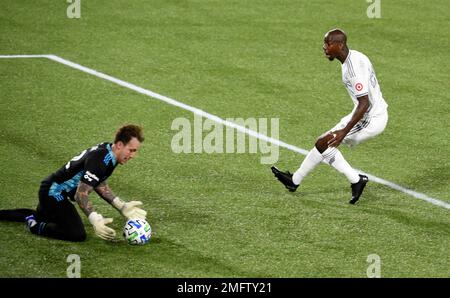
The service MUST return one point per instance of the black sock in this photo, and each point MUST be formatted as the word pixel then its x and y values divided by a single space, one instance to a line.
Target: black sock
pixel 55 231
pixel 17 215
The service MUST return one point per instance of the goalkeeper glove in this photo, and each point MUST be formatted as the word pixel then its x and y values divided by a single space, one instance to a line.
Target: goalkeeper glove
pixel 99 223
pixel 130 209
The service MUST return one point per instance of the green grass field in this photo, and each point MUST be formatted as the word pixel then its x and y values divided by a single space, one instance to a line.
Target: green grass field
pixel 225 215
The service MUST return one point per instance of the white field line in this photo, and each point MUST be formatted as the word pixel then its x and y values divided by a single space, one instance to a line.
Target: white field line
pixel 24 56
pixel 217 119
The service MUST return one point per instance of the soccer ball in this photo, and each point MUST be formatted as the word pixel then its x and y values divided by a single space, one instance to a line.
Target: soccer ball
pixel 137 231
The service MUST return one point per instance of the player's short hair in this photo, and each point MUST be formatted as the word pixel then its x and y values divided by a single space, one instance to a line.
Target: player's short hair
pixel 127 132
pixel 337 35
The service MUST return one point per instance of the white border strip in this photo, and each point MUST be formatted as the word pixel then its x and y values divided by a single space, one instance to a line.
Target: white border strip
pixel 217 119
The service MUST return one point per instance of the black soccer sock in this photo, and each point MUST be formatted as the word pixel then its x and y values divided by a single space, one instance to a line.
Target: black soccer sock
pixel 56 231
pixel 17 215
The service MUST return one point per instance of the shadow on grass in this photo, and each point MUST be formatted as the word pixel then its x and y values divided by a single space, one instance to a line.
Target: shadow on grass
pixel 410 219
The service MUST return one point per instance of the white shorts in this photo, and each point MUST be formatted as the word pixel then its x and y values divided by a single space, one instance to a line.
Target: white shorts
pixel 363 130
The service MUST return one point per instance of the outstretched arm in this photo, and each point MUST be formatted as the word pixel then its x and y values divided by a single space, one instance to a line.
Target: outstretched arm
pixel 105 192
pixel 129 210
pixel 98 222
pixel 339 135
pixel 82 198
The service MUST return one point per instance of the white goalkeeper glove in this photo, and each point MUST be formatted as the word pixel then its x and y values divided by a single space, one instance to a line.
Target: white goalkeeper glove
pixel 99 223
pixel 129 209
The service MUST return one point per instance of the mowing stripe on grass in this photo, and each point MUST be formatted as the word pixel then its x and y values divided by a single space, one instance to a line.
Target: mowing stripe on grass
pixel 217 119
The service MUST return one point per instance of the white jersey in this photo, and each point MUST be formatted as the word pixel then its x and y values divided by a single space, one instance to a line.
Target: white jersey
pixel 359 78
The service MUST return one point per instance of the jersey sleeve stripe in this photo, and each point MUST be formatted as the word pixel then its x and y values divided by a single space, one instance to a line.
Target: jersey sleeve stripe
pixel 351 71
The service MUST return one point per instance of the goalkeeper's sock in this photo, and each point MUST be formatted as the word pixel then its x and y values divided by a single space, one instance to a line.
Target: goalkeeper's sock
pixel 31 221
pixel 17 215
pixel 56 231
pixel 312 159
pixel 41 228
pixel 34 226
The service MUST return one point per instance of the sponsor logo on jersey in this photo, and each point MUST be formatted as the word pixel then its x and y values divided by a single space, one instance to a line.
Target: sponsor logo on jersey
pixel 89 176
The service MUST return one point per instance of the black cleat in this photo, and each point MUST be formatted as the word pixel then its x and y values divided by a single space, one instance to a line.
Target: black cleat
pixel 285 178
pixel 357 188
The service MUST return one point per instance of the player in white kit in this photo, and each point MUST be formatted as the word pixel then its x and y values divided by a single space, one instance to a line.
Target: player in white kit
pixel 367 119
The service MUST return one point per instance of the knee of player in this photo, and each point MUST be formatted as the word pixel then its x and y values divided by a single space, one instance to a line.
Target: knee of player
pixel 322 143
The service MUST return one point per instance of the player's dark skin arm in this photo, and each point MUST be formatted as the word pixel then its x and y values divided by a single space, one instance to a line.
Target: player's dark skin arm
pixel 105 192
pixel 335 138
pixel 82 198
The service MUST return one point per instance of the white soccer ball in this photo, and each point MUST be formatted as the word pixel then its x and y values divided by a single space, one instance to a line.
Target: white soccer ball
pixel 137 231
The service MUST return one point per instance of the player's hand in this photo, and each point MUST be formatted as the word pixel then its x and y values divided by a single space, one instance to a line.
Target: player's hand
pixel 99 223
pixel 130 210
pixel 338 136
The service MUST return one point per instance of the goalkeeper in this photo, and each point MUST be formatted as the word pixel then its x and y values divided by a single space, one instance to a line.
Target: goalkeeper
pixel 56 216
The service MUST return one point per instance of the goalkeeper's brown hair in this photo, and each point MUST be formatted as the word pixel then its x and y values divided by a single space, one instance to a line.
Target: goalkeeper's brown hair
pixel 127 132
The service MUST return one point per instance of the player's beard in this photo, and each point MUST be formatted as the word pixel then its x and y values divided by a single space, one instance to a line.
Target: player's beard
pixel 328 56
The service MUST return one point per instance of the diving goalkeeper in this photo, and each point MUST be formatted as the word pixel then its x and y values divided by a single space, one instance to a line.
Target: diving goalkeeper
pixel 56 216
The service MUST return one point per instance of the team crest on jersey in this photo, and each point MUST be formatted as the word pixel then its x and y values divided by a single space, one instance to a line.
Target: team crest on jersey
pixel 358 86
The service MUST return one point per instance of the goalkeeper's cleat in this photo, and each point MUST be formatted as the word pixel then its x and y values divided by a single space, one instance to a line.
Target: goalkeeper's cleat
pixel 31 221
pixel 285 178
pixel 357 188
